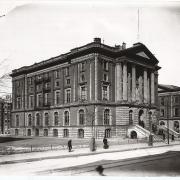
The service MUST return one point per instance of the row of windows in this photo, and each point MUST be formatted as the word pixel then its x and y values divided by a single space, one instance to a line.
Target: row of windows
pixel 57 73
pixel 176 112
pixel 66 118
pixel 65 133
pixel 58 98
pixel 175 100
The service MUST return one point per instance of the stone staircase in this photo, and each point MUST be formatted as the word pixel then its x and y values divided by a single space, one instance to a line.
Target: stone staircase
pixel 144 133
pixel 171 131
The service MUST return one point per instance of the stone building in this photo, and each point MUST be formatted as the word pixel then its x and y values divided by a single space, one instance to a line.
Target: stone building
pixel 93 90
pixel 169 107
pixel 5 114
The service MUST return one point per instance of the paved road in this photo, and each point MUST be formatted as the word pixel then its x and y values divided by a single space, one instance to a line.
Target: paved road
pixel 78 164
pixel 165 164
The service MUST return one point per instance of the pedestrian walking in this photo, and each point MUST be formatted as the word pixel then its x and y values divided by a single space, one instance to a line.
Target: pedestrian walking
pixel 70 145
pixel 106 146
pixel 172 137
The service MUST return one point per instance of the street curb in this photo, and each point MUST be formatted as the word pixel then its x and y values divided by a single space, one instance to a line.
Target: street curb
pixel 81 154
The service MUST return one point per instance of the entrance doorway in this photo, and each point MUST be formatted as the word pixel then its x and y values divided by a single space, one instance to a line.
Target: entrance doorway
pixel 133 135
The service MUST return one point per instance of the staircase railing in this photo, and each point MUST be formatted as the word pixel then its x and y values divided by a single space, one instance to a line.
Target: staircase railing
pixel 171 131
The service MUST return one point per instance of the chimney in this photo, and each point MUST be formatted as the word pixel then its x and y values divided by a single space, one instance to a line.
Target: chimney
pixel 123 45
pixel 97 40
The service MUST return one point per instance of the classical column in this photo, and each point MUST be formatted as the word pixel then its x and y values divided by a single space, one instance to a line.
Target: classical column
pixel 140 89
pixel 124 81
pixel 152 87
pixel 133 83
pixel 129 87
pixel 118 81
pixel 145 86
pixel 96 77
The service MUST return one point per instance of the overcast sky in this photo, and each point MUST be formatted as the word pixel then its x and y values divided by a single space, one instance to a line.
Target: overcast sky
pixel 31 32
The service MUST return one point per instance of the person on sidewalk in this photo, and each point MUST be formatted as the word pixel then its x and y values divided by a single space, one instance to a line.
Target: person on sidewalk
pixel 70 145
pixel 106 146
pixel 100 170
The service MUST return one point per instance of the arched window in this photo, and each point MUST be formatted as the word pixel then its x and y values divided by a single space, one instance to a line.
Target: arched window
pixel 66 133
pixel 56 117
pixel 29 120
pixel 66 118
pixel 130 117
pixel 107 133
pixel 17 120
pixel 80 133
pixel 55 132
pixel 46 116
pixel 45 132
pixel 176 126
pixel 106 117
pixel 81 117
pixel 37 119
pixel 162 123
pixel 29 132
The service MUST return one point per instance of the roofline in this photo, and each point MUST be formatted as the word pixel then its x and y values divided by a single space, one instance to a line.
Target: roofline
pixel 93 47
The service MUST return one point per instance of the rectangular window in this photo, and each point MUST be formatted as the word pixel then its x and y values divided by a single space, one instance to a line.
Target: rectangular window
pixel 39 100
pixel 18 103
pixel 176 99
pixel 83 93
pixel 82 66
pixel 57 84
pixel 57 74
pixel 105 92
pixel 105 77
pixel 47 85
pixel 67 71
pixel 105 65
pixel 162 101
pixel 68 81
pixel 47 98
pixel 82 78
pixel 176 112
pixel 30 81
pixel 67 95
pixel 39 87
pixel 57 97
pixel 31 101
pixel 162 112
pixel 66 133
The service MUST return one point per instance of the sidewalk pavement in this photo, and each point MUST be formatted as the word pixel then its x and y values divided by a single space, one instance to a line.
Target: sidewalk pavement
pixel 54 154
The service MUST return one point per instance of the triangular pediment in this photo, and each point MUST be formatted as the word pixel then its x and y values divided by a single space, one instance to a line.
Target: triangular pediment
pixel 143 54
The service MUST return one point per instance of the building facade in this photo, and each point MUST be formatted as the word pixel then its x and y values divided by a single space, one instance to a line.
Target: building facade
pixel 169 103
pixel 5 114
pixel 93 90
